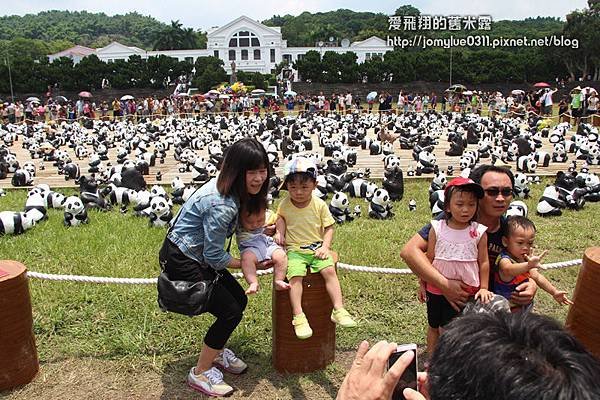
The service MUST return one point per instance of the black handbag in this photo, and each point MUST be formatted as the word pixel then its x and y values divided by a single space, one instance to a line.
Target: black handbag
pixel 183 297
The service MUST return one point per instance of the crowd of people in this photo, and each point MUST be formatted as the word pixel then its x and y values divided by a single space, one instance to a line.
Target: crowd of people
pixel 482 252
pixel 580 103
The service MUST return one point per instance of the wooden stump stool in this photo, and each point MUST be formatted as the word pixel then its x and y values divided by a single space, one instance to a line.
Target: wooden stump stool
pixel 293 355
pixel 18 355
pixel 584 314
pixel 583 320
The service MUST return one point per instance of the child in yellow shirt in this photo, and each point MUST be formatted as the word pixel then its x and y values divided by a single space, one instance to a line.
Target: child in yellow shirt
pixel 305 226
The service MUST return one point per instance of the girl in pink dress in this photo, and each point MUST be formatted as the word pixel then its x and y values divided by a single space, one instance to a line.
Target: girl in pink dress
pixel 457 248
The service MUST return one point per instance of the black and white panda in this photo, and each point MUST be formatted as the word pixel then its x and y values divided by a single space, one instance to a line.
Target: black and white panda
pixel 560 153
pixel 362 188
pixel 550 204
pixel 526 164
pixel 75 212
pixel 15 223
pixel 426 163
pixel 592 183
pixel 321 189
pixel 21 178
pixel 118 195
pixel 593 156
pixel 81 152
pixel 439 182
pixel 54 199
pixel 380 205
pixel 542 158
pixel 436 201
pixel 160 213
pixel 393 182
pixel 521 186
pixel 339 208
pixel 35 206
pixel 391 161
pixel 517 207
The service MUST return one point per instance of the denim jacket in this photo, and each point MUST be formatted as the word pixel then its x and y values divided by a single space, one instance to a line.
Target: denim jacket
pixel 202 225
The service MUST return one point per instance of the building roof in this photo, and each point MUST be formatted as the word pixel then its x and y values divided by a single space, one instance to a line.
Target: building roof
pixel 75 50
pixel 248 21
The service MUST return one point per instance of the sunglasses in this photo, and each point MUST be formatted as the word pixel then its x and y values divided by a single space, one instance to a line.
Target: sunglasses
pixel 494 192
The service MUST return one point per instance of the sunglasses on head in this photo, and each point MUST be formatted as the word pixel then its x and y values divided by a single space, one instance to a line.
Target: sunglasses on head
pixel 494 192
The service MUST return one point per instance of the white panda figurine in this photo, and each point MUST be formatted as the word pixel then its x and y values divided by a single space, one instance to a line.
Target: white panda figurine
pixel 362 188
pixel 550 204
pixel 22 177
pixel 592 183
pixel 321 189
pixel 542 158
pixel 339 208
pixel 35 206
pixel 526 164
pixel 439 182
pixel 380 206
pixel 412 205
pixel 521 188
pixel 54 199
pixel 517 207
pixel 160 213
pixel 75 212
pixel 15 223
pixel 436 202
pixel 559 155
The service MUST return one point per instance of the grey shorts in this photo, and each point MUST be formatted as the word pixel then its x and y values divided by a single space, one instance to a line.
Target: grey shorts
pixel 262 246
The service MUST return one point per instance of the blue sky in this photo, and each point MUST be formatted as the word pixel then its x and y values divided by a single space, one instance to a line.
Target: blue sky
pixel 202 14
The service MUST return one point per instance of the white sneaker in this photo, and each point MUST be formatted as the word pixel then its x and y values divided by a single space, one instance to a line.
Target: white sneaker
pixel 210 382
pixel 228 361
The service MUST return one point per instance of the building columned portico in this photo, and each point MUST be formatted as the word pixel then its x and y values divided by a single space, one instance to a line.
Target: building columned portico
pixel 253 46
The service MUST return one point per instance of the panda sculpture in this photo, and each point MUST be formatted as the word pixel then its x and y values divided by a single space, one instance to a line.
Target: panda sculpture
pixel 75 212
pixel 550 203
pixel 160 213
pixel 527 163
pixel 15 223
pixel 380 206
pixel 362 188
pixel 436 202
pixel 517 207
pixel 393 182
pixel 339 208
pixel 521 187
pixel 35 206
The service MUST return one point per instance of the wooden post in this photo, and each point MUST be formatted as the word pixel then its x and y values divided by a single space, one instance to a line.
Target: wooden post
pixel 583 320
pixel 18 355
pixel 293 355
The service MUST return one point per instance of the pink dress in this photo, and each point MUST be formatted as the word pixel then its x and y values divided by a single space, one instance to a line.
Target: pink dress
pixel 456 253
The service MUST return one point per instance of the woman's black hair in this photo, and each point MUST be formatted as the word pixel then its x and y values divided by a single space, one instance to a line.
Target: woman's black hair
pixel 455 189
pixel 243 156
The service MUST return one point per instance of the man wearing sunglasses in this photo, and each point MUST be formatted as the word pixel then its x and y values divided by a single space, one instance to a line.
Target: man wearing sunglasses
pixel 497 183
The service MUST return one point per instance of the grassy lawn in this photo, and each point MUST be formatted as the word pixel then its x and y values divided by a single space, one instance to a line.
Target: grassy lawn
pixel 111 341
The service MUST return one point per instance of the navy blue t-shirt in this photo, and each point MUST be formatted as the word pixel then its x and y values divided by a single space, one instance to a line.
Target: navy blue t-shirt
pixel 494 239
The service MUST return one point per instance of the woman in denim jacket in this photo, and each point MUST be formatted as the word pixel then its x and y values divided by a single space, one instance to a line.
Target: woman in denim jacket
pixel 194 250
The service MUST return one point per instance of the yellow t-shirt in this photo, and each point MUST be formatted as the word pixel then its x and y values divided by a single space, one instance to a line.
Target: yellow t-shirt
pixel 304 227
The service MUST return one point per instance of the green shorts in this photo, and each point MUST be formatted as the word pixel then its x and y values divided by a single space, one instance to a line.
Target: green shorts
pixel 297 263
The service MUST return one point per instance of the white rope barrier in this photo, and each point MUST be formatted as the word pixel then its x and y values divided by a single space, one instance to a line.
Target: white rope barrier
pixel 238 275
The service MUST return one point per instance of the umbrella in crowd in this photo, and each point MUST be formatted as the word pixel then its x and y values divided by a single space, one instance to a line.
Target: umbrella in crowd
pixel 467 93
pixel 85 95
pixel 61 99
pixel 290 93
pixel 32 99
pixel 223 96
pixel 517 92
pixel 458 88
pixel 588 90
pixel 213 92
pixel 371 96
pixel 127 97
pixel 541 85
pixel 257 91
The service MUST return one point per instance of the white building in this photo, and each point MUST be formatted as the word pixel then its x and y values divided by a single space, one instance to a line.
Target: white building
pixel 253 46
